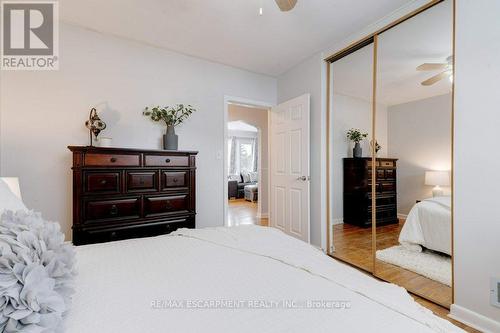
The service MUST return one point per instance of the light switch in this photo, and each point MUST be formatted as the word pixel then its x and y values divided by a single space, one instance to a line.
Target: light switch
pixel 495 292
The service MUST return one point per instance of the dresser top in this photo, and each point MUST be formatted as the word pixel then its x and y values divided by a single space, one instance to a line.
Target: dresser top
pixel 91 149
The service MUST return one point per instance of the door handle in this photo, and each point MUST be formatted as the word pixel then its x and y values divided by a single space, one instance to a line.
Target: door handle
pixel 303 178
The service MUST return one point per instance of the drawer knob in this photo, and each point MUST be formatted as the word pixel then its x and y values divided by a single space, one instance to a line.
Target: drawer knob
pixel 168 205
pixel 113 159
pixel 113 235
pixel 103 182
pixel 113 210
pixel 175 180
pixel 167 160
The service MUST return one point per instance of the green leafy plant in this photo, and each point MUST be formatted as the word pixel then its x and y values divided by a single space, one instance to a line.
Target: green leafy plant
pixel 170 115
pixel 355 135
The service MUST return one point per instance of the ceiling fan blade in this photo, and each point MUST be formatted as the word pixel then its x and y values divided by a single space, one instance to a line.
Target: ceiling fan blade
pixel 286 5
pixel 435 78
pixel 431 67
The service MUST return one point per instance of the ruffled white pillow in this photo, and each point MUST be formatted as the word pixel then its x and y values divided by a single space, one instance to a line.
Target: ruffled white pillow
pixel 8 200
pixel 36 274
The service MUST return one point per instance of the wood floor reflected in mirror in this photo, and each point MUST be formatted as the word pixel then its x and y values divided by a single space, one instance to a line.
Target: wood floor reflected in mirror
pixel 353 245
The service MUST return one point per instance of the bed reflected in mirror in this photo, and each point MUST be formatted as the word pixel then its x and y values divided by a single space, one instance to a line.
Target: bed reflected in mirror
pixel 414 92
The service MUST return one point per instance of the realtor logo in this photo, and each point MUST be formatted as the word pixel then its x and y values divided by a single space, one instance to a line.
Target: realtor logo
pixel 29 35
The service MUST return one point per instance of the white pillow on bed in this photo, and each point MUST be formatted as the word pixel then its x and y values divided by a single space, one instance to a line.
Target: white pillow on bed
pixel 8 200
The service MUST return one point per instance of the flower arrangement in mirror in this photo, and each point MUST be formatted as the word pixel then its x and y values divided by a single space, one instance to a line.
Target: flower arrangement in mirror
pixel 356 136
pixel 171 116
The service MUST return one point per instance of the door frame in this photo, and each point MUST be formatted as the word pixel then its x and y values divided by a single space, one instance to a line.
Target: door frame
pixel 248 103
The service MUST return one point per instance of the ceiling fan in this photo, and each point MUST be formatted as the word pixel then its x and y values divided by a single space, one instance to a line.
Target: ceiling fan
pixel 445 68
pixel 286 5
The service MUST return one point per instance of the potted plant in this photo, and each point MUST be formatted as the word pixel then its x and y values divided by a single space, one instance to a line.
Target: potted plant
pixel 171 116
pixel 356 136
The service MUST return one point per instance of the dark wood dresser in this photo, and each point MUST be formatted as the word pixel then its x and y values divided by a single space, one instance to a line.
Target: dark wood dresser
pixel 129 193
pixel 358 191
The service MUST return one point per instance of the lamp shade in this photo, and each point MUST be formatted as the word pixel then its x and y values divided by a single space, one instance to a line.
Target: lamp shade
pixel 437 178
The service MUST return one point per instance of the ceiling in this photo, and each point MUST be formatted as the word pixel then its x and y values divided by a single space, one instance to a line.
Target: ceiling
pixel 426 37
pixel 231 32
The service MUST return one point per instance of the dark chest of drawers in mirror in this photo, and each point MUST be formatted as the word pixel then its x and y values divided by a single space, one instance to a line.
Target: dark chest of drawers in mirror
pixel 129 193
pixel 358 191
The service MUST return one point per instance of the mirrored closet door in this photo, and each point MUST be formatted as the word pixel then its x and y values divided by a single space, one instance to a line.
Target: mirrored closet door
pixel 414 101
pixel 352 83
pixel 390 153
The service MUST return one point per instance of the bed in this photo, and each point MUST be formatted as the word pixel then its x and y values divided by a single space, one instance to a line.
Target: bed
pixel 428 225
pixel 239 279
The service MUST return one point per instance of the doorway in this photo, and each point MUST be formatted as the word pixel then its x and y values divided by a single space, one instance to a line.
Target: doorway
pixel 246 187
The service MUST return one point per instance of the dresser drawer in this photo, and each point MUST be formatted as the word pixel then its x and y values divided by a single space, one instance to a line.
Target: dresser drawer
pixel 174 179
pixel 390 174
pixel 112 209
pixel 166 161
pixel 141 181
pixel 387 186
pixel 387 164
pixel 94 159
pixel 102 182
pixel 119 232
pixel 165 204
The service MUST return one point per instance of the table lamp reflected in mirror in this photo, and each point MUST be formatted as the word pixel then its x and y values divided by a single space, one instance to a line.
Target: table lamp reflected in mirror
pixel 437 179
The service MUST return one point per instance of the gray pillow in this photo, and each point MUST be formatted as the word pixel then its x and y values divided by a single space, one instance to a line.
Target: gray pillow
pixel 36 273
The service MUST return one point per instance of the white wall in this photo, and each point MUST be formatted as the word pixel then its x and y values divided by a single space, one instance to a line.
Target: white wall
pixel 43 112
pixel 419 136
pixel 476 161
pixel 349 112
pixel 258 118
pixel 302 79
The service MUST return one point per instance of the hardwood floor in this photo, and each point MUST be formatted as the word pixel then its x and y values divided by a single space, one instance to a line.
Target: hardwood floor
pixel 353 245
pixel 443 313
pixel 242 212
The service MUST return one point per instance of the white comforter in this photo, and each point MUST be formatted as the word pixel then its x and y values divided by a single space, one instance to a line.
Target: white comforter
pixel 118 283
pixel 428 224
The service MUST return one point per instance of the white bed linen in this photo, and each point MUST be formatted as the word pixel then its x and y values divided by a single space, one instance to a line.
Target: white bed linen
pixel 118 281
pixel 428 224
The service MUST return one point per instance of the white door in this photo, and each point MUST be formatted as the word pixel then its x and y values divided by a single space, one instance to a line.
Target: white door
pixel 289 156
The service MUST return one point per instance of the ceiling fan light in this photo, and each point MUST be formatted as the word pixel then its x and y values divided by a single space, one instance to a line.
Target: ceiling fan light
pixel 286 5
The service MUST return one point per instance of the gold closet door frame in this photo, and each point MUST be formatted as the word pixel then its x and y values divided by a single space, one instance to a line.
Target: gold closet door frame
pixel 373 38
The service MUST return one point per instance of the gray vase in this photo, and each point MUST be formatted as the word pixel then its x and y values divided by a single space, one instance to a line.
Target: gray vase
pixel 170 139
pixel 357 150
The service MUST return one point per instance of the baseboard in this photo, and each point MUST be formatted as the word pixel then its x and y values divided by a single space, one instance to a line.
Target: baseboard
pixel 337 221
pixel 402 216
pixel 262 215
pixel 473 319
